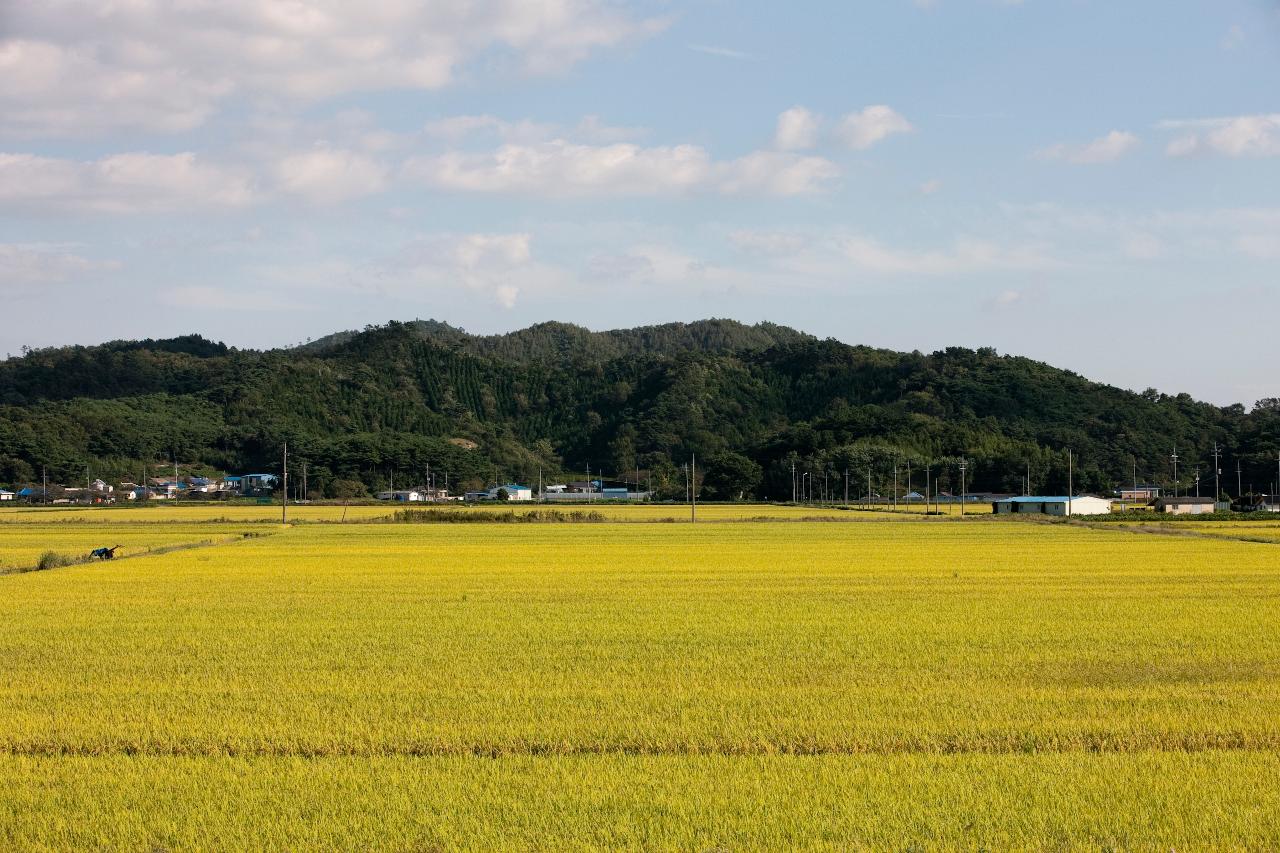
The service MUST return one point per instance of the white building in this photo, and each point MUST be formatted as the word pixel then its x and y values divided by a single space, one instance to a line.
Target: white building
pixel 1083 505
pixel 6 496
pixel 514 492
pixel 404 496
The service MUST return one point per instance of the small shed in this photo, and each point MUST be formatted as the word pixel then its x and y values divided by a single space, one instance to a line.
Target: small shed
pixel 1184 506
pixel 6 495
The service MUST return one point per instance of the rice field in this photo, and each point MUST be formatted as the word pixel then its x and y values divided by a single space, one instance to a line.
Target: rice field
pixel 21 545
pixel 903 684
pixel 164 512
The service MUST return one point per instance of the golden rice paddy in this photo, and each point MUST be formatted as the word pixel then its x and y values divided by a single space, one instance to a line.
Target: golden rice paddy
pixel 909 683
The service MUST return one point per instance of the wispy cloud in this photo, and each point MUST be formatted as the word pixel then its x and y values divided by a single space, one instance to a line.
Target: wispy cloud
pixel 716 50
pixel 1232 136
pixel 560 168
pixel 169 66
pixel 25 265
pixel 861 130
pixel 122 183
pixel 1106 149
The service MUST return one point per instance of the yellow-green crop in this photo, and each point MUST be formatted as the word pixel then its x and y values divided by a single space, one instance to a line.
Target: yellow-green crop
pixel 747 685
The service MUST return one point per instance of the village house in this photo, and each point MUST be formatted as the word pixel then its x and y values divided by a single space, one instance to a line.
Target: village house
pixel 1183 506
pixel 1144 492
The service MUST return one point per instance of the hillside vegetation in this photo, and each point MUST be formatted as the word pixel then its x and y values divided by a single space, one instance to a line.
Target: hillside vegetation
pixel 748 400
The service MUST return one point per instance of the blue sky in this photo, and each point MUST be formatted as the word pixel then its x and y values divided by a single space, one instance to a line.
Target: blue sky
pixel 1092 184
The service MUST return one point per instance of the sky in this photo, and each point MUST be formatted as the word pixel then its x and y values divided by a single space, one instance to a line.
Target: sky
pixel 1084 182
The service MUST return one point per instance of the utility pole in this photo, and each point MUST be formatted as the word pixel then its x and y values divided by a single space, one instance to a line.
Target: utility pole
pixel 1071 486
pixel 1174 457
pixel 1135 476
pixel 963 466
pixel 868 487
pixel 44 475
pixel 793 481
pixel 1239 481
pixel 304 480
pixel 284 500
pixel 846 487
pixel 927 466
pixel 1217 474
pixel 693 488
pixel 1197 482
pixel 895 484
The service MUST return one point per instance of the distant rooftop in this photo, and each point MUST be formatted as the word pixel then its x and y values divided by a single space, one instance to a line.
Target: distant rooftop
pixel 1032 499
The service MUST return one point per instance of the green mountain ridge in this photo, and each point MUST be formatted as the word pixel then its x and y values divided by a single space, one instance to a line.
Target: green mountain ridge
pixel 750 401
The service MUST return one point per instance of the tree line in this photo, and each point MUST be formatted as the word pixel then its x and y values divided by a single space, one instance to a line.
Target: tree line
pixel 754 403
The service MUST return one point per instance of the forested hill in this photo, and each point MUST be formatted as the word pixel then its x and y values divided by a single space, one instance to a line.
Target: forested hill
pixel 563 343
pixel 749 400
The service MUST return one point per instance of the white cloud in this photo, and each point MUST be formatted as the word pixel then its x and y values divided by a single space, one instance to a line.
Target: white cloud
pixel 873 124
pixel 70 67
pixel 1203 234
pixel 1262 246
pixel 563 168
pixel 207 298
pixel 966 256
pixel 327 175
pixel 768 242
pixel 457 129
pixel 25 265
pixel 930 187
pixel 1234 38
pixel 1106 149
pixel 797 130
pixel 1142 246
pixel 715 50
pixel 775 173
pixel 1237 136
pixel 498 266
pixel 121 183
pixel 819 255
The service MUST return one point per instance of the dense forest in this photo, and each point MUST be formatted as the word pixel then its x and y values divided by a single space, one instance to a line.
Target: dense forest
pixel 752 402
